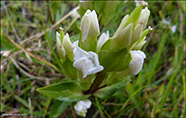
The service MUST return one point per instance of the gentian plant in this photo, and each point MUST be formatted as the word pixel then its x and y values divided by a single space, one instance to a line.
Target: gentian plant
pixel 97 64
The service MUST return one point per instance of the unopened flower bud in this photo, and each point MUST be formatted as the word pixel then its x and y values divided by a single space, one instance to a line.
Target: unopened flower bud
pixel 136 63
pixel 60 48
pixel 144 16
pixel 68 47
pixel 89 31
pixel 123 38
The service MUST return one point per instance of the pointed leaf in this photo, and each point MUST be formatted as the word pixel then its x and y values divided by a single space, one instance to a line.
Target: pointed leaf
pixel 58 108
pixel 110 90
pixel 114 60
pixel 64 91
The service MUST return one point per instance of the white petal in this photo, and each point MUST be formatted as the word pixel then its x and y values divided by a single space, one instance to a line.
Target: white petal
pixel 82 64
pixel 95 70
pixel 94 57
pixel 79 53
pixel 82 106
pixel 67 43
pixel 74 13
pixel 94 19
pixel 102 39
pixel 78 106
pixel 173 28
pixel 86 62
pixel 164 21
pixel 137 61
pixel 60 48
pixel 144 16
pixel 85 27
pixel 86 103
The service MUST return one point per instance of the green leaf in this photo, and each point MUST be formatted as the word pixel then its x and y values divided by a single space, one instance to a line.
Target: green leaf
pixel 106 45
pixel 99 6
pixel 64 91
pixel 6 45
pixel 108 12
pixel 58 108
pixel 110 90
pixel 22 101
pixel 55 6
pixel 114 60
pixel 68 69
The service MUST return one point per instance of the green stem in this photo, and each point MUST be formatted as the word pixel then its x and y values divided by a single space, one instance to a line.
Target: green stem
pixel 46 108
pixel 49 11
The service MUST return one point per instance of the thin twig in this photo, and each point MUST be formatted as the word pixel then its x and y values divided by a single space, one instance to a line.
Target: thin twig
pixel 42 60
pixel 27 74
pixel 30 107
pixel 72 23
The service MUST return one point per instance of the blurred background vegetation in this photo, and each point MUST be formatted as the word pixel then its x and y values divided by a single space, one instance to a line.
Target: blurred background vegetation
pixel 29 60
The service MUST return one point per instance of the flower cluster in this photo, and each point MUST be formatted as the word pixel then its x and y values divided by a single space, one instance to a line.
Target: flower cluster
pixel 90 58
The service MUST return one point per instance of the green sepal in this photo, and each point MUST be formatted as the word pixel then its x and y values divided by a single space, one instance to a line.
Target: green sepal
pixel 60 49
pixel 134 16
pixel 90 44
pixel 145 32
pixel 86 82
pixel 110 90
pixel 69 70
pixel 84 85
pixel 64 91
pixel 61 35
pixel 106 45
pixel 114 60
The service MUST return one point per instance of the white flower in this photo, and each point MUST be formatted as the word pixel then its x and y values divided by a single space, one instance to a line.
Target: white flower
pixel 82 106
pixel 86 62
pixel 75 13
pixel 89 25
pixel 164 21
pixel 65 46
pixel 173 28
pixel 102 39
pixel 137 61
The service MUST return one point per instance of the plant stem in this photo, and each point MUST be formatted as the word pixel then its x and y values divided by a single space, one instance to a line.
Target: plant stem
pixel 98 80
pixel 45 112
pixel 49 11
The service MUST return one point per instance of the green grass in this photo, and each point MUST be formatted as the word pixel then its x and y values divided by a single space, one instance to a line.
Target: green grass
pixel 159 90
